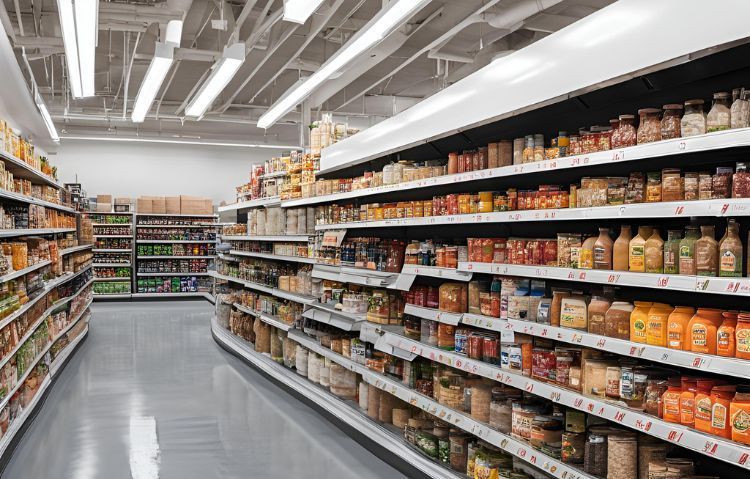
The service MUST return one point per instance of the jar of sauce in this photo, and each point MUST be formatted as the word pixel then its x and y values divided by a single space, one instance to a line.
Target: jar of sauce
pixel 721 399
pixel 739 415
pixel 671 400
pixel 742 336
pixel 725 343
pixel 687 400
pixel 703 405
pixel 677 327
pixel 702 330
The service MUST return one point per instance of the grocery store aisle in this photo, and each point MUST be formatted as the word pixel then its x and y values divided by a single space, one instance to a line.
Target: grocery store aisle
pixel 150 395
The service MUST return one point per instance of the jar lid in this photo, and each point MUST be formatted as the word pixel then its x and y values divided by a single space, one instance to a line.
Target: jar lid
pixel 627 117
pixel 721 95
pixel 596 439
pixel 562 133
pixel 614 120
pixel 672 106
pixel 694 102
pixel 647 111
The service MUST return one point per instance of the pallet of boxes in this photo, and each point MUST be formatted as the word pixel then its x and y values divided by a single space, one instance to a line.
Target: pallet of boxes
pixel 174 205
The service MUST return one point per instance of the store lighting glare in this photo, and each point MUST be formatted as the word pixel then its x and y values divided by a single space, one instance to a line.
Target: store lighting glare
pixel 223 71
pixel 47 118
pixel 79 23
pixel 374 32
pixel 157 71
pixel 298 11
pixel 178 141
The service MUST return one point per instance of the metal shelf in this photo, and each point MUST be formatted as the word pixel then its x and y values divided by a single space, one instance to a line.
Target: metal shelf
pixel 205 273
pixel 25 271
pixel 322 313
pixel 294 259
pixel 200 225
pixel 174 241
pixel 243 205
pixel 363 276
pixel 119 280
pixel 112 296
pixel 433 314
pixel 111 265
pixel 176 257
pixel 75 249
pixel 436 272
pixel 10 233
pixel 109 250
pixel 23 170
pixel 298 298
pixel 175 215
pixel 113 236
pixel 124 225
pixel 280 239
pixel 191 294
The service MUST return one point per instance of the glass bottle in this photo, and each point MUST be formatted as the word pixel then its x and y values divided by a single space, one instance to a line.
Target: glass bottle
pixel 603 250
pixel 654 253
pixel 687 251
pixel 620 249
pixel 719 116
pixel 707 253
pixel 694 120
pixel 637 249
pixel 730 251
pixel 672 252
pixel 740 111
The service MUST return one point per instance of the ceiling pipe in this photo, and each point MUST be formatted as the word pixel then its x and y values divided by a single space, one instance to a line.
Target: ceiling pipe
pixel 513 17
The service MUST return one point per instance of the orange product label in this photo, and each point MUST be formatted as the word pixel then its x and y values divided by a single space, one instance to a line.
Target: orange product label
pixel 743 340
pixel 740 423
pixel 703 408
pixel 699 335
pixel 671 406
pixel 687 410
pixel 719 416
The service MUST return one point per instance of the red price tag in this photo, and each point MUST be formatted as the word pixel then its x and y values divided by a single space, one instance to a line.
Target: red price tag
pixel 663 282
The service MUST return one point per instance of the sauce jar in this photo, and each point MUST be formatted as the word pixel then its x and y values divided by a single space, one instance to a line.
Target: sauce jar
pixel 721 399
pixel 742 336
pixel 694 120
pixel 739 415
pixel 719 116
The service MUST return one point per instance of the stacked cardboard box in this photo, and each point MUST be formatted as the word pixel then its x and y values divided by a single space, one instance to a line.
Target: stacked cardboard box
pixel 104 203
pixel 174 205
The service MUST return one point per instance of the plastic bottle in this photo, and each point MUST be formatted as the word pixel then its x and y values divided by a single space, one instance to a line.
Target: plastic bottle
pixel 637 250
pixel 687 400
pixel 725 343
pixel 703 404
pixel 702 330
pixel 671 400
pixel 620 250
pixel 721 399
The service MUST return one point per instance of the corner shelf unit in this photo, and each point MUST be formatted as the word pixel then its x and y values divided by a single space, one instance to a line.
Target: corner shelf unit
pixel 113 234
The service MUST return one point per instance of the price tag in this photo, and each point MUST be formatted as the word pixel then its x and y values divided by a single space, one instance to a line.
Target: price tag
pixel 507 336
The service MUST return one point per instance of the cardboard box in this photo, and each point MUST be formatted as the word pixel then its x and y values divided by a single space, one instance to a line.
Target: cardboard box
pixel 192 205
pixel 144 205
pixel 104 199
pixel 173 205
pixel 159 205
pixel 123 201
pixel 103 207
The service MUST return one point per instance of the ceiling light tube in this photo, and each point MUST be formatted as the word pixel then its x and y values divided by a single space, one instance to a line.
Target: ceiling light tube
pixel 67 24
pixel 375 31
pixel 180 142
pixel 47 118
pixel 86 19
pixel 223 71
pixel 298 11
pixel 155 75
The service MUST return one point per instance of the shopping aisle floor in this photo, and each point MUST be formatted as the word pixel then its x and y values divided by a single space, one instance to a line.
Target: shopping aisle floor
pixel 150 395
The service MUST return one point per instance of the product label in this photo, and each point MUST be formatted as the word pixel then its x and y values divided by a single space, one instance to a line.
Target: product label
pixel 741 421
pixel 600 255
pixel 639 330
pixel 718 416
pixel 743 340
pixel 671 405
pixel 703 409
pixel 637 254
pixel 687 408
pixel 674 335
pixel 573 315
pixel 586 259
pixel 699 335
pixel 728 262
pixel 724 339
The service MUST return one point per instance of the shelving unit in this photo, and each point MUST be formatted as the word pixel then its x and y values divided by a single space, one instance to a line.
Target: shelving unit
pixel 108 227
pixel 173 231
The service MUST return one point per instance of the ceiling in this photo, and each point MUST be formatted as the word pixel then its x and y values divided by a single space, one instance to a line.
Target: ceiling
pixel 441 44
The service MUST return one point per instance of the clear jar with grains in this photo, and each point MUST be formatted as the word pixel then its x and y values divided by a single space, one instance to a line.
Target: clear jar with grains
pixel 740 110
pixel 694 120
pixel 718 118
pixel 649 129
pixel 670 121
pixel 626 134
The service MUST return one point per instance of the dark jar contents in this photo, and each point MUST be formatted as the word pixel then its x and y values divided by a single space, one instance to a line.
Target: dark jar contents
pixel 670 121
pixel 626 134
pixel 741 182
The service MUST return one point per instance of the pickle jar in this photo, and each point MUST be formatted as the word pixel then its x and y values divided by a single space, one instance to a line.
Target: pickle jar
pixel 719 116
pixel 694 120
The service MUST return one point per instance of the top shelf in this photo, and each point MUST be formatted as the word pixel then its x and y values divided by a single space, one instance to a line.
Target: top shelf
pixel 23 170
pixel 175 215
pixel 243 205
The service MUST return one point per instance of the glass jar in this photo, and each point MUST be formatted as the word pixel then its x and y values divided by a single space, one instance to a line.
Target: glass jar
pixel 603 250
pixel 707 253
pixel 740 110
pixel 672 251
pixel 528 149
pixel 626 134
pixel 649 129
pixel 730 251
pixel 653 187
pixel 538 147
pixel 687 251
pixel 719 116
pixel 694 120
pixel 671 185
pixel 741 181
pixel 670 121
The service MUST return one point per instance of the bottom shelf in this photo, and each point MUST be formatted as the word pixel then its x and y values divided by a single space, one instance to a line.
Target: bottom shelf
pixel 192 294
pixel 112 296
pixel 323 399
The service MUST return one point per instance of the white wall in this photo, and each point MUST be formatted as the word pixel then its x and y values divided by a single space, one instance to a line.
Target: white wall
pixel 131 169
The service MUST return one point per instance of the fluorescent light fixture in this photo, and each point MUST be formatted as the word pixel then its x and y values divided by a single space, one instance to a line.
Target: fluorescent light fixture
pixel 298 11
pixel 68 26
pixel 157 71
pixel 180 142
pixel 46 117
pixel 372 33
pixel 223 71
pixel 86 16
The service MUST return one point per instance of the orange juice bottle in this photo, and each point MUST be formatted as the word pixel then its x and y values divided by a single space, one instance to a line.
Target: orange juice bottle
pixel 703 404
pixel 739 415
pixel 702 330
pixel 742 336
pixel 671 400
pixel 687 400
pixel 656 326
pixel 677 327
pixel 639 320
pixel 725 344
pixel 721 399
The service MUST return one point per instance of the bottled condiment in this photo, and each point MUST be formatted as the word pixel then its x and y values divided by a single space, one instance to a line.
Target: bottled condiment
pixel 626 134
pixel 586 257
pixel 637 249
pixel 719 116
pixel 687 251
pixel 603 250
pixel 670 121
pixel 574 313
pixel 677 327
pixel 730 251
pixel 694 120
pixel 741 181
pixel 740 111
pixel 739 415
pixel 649 127
pixel 556 307
pixel 620 249
pixel 721 399
pixel 707 253
pixel 639 320
pixel 654 253
pixel 703 405
pixel 742 336
pixel 452 163
pixel 671 400
pixel 656 327
pixel 672 251
pixel 702 330
pixel 597 310
pixel 687 400
pixel 725 343
pixel 617 320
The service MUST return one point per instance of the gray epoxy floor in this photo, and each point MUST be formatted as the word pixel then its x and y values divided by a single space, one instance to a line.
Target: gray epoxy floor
pixel 150 395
